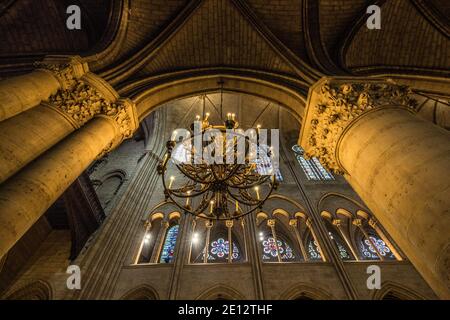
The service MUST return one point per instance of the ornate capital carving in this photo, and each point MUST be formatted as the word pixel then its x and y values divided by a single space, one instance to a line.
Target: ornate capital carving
pixel 333 104
pixel 293 222
pixel 373 222
pixel 357 222
pixel 271 222
pixel 229 223
pixel 337 222
pixel 67 69
pixel 123 112
pixel 80 103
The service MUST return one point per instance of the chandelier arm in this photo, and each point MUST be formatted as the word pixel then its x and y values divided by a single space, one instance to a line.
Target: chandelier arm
pixel 242 201
pixel 248 186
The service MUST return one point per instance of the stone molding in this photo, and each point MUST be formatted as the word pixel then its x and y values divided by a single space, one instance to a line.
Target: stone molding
pixel 333 106
pixel 66 69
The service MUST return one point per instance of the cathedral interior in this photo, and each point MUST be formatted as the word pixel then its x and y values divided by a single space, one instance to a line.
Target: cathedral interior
pixel 87 117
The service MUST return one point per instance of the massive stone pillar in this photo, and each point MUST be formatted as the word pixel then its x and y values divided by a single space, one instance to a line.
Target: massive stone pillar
pixel 398 163
pixel 26 196
pixel 28 134
pixel 23 92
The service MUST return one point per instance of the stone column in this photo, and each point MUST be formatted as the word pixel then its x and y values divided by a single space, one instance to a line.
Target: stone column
pixel 294 224
pixel 23 92
pixel 28 195
pixel 397 163
pixel 27 135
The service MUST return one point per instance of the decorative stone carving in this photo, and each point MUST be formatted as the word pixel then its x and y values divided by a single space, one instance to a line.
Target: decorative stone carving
pixel 293 223
pixel 81 103
pixel 67 69
pixel 357 222
pixel 122 112
pixel 271 222
pixel 335 103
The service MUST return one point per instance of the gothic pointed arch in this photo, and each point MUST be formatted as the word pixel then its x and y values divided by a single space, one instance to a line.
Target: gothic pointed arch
pixel 152 92
pixel 144 292
pixel 303 291
pixel 394 291
pixel 221 292
pixel 37 290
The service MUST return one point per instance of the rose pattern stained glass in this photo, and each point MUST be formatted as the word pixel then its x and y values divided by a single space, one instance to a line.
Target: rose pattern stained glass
pixel 220 249
pixel 314 251
pixel 270 249
pixel 369 251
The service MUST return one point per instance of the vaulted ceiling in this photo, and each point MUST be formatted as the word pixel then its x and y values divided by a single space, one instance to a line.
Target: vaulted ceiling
pixel 299 38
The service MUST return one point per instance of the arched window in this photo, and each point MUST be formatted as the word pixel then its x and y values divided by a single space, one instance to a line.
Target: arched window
pixel 212 242
pixel 313 249
pixel 312 168
pixel 168 249
pixel 219 250
pixel 108 187
pixel 371 246
pixel 149 241
pixel 264 164
pixel 339 242
pixel 357 236
pixel 160 238
pixel 276 245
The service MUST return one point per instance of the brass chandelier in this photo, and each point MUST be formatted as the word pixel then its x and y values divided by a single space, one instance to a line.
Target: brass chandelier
pixel 216 191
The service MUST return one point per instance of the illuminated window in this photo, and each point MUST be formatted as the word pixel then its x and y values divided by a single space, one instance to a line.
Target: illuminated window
pixel 270 250
pixel 312 167
pixel 264 163
pixel 169 245
pixel 210 242
pixel 368 251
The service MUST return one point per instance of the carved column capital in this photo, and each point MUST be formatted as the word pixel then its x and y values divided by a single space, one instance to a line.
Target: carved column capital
pixel 80 103
pixel 357 222
pixel 209 224
pixel 335 103
pixel 66 69
pixel 373 222
pixel 123 114
pixel 293 222
pixel 271 222
pixel 337 222
pixel 229 223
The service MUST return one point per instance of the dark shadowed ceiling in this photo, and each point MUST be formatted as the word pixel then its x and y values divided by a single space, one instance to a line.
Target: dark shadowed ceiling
pixel 327 35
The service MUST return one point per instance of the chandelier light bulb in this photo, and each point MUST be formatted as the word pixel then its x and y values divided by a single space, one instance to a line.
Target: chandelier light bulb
pixel 174 135
pixel 257 192
pixel 172 179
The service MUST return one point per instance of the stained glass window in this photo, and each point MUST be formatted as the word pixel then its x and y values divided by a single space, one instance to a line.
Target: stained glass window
pixel 369 252
pixel 264 164
pixel 169 245
pixel 220 248
pixel 312 168
pixel 340 246
pixel 270 250
pixel 313 250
